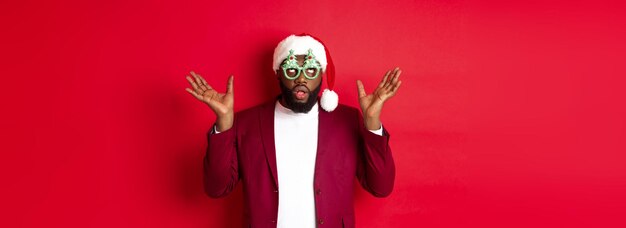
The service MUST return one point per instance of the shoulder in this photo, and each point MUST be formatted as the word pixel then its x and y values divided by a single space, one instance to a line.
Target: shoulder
pixel 344 119
pixel 344 115
pixel 343 110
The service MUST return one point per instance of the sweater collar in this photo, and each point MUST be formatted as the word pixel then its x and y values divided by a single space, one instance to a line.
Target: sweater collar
pixel 282 110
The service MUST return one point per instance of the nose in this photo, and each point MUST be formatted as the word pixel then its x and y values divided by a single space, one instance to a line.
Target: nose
pixel 300 79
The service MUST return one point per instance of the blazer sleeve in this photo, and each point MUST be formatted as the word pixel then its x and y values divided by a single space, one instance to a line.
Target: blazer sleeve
pixel 376 170
pixel 221 172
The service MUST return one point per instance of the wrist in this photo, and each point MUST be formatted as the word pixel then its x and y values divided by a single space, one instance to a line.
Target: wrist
pixel 224 122
pixel 223 127
pixel 372 123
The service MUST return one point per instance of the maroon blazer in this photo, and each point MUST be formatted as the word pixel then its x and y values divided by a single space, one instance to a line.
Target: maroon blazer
pixel 345 150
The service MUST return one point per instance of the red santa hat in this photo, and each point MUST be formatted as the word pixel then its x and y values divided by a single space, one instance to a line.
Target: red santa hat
pixel 300 44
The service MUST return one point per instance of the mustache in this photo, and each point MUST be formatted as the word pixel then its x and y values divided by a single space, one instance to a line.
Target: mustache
pixel 300 87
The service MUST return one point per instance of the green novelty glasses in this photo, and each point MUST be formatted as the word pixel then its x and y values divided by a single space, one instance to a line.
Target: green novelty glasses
pixel 311 67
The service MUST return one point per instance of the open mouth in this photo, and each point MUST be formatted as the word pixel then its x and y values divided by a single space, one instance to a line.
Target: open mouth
pixel 300 92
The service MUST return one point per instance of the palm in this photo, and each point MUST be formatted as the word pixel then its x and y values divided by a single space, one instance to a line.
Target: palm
pixel 220 103
pixel 372 104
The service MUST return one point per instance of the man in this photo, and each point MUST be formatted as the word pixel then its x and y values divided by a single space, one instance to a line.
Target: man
pixel 298 161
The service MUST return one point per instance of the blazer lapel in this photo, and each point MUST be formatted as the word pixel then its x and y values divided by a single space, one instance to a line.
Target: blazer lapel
pixel 266 119
pixel 323 136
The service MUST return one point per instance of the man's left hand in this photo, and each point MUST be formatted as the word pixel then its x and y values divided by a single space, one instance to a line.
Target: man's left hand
pixel 372 104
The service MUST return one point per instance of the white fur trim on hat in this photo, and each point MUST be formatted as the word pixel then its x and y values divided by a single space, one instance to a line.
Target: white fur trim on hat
pixel 329 100
pixel 300 46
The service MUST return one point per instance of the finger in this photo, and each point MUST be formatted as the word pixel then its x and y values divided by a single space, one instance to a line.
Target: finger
pixel 393 72
pixel 397 74
pixel 195 78
pixel 395 88
pixel 193 84
pixel 382 83
pixel 395 79
pixel 198 80
pixel 203 81
pixel 229 84
pixel 208 87
pixel 360 89
pixel 194 74
pixel 196 95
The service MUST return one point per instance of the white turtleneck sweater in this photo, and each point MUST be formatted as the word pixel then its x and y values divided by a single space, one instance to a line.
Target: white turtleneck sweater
pixel 295 136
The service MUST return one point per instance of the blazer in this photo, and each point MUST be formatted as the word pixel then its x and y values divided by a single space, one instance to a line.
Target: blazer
pixel 345 150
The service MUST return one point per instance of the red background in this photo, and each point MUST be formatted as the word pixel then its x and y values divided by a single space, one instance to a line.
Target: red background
pixel 509 115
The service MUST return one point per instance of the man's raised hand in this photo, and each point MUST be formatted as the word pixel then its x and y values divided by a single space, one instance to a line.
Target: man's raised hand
pixel 372 104
pixel 220 103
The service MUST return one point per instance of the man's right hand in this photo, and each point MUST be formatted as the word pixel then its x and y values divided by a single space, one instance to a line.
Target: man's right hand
pixel 220 103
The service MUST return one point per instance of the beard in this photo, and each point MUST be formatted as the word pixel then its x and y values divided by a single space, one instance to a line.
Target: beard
pixel 292 103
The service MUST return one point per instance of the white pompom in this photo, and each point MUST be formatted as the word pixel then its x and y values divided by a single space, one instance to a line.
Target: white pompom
pixel 329 100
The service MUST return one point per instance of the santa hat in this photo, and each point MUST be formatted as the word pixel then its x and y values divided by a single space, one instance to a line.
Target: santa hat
pixel 300 45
